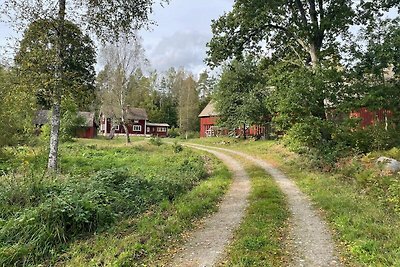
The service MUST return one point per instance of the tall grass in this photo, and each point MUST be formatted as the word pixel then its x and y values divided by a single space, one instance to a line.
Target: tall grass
pixel 42 215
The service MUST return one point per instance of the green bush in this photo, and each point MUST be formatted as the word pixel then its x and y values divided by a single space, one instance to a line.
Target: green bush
pixel 304 136
pixel 177 147
pixel 155 140
pixel 173 132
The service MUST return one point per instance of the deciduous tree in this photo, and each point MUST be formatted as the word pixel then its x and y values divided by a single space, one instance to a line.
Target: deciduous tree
pixel 121 60
pixel 109 20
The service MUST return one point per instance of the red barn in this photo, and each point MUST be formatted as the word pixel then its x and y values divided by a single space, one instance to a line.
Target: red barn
pixel 137 124
pixel 208 120
pixel 371 117
pixel 89 128
pixel 208 124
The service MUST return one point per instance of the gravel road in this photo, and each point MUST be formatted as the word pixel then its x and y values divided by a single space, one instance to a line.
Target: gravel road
pixel 310 243
pixel 207 245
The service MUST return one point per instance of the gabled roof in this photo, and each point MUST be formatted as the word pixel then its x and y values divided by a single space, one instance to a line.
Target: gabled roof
pixel 44 116
pixel 209 110
pixel 136 114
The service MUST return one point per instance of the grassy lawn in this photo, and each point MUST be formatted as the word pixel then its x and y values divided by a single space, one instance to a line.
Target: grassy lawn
pixel 140 198
pixel 360 205
pixel 259 241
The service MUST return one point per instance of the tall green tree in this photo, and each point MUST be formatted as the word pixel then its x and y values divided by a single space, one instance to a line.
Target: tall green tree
pixel 109 20
pixel 37 59
pixel 188 105
pixel 241 95
pixel 305 29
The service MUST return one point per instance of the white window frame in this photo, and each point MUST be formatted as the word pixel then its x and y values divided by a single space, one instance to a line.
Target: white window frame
pixel 161 129
pixel 137 128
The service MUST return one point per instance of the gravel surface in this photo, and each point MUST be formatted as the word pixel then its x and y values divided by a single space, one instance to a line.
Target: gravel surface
pixel 206 246
pixel 310 243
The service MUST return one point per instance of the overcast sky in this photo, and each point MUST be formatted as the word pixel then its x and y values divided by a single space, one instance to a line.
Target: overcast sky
pixel 179 38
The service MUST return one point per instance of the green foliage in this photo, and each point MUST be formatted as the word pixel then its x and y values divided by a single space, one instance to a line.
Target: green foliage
pixel 240 95
pixel 40 214
pixel 177 147
pixel 304 135
pixel 37 62
pixel 300 30
pixel 147 239
pixel 16 110
pixel 173 132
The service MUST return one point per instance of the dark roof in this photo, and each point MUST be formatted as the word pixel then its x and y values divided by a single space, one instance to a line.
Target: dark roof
pixel 136 114
pixel 43 117
pixel 209 110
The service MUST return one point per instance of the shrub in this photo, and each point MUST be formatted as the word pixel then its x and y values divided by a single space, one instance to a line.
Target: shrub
pixel 156 141
pixel 177 147
pixel 40 215
pixel 304 135
pixel 173 132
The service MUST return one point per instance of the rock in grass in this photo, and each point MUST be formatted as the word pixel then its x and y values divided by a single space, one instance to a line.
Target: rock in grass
pixel 389 164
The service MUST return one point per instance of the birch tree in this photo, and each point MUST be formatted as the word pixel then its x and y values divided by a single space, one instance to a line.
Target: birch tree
pixel 122 60
pixel 108 19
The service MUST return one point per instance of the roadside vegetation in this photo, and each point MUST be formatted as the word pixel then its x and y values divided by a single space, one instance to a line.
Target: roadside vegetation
pixel 139 190
pixel 358 199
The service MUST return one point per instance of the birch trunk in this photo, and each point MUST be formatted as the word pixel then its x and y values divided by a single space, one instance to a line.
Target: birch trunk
pixel 128 139
pixel 54 136
pixel 124 124
pixel 56 114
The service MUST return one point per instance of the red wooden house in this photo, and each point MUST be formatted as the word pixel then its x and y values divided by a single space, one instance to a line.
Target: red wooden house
pixel 137 124
pixel 208 124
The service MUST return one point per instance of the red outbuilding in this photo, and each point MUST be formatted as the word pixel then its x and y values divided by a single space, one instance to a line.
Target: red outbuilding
pixel 88 129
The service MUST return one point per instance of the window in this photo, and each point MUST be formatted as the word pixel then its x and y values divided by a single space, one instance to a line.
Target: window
pixel 148 129
pixel 137 128
pixel 161 129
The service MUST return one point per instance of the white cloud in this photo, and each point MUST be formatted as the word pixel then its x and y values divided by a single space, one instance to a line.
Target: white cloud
pixel 181 49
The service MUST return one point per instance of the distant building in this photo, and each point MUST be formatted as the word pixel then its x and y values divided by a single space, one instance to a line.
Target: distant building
pixel 138 124
pixel 87 130
pixel 208 124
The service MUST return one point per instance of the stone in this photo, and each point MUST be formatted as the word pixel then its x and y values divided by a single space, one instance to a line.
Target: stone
pixel 389 164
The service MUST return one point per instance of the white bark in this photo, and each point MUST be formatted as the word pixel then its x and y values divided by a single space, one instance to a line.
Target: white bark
pixel 54 136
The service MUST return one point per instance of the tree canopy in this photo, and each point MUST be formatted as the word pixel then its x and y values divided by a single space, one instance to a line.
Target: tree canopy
pixel 37 60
